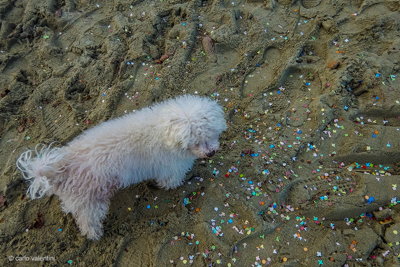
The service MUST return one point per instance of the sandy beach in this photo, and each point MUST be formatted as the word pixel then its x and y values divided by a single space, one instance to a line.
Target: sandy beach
pixel 308 173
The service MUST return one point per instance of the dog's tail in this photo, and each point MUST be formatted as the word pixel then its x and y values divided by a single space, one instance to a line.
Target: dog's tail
pixel 40 165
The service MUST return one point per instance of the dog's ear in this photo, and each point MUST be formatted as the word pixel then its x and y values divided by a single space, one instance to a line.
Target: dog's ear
pixel 178 133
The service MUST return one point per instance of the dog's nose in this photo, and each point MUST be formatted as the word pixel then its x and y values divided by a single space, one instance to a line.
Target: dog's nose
pixel 210 154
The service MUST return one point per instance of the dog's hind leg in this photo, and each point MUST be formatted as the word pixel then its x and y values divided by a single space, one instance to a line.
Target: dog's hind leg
pixel 89 213
pixel 89 218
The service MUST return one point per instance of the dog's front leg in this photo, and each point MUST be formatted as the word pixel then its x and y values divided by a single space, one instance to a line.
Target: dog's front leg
pixel 169 183
pixel 171 178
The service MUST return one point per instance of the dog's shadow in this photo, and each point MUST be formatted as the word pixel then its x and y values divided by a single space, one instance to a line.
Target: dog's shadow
pixel 134 208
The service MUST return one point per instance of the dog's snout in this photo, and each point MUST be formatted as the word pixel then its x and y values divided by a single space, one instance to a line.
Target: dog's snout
pixel 210 154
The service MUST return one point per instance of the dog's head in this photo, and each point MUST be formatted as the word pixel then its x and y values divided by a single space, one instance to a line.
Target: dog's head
pixel 195 125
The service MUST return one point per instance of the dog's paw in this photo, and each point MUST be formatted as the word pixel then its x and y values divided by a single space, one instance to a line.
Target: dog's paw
pixel 93 233
pixel 169 184
pixel 90 223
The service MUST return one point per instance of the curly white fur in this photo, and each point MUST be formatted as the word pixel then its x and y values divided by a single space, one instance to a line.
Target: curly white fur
pixel 159 142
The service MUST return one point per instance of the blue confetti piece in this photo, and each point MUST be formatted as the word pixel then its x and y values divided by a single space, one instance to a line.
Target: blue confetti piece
pixel 186 201
pixel 148 206
pixel 266 172
pixel 370 200
pixel 346 108
pixel 377 75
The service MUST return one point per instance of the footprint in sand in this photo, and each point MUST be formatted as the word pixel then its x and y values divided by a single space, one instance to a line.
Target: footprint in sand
pixel 310 3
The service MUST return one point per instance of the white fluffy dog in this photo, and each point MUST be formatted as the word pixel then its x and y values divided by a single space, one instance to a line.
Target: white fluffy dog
pixel 160 142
